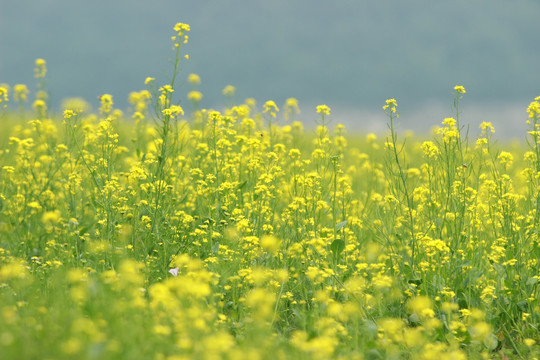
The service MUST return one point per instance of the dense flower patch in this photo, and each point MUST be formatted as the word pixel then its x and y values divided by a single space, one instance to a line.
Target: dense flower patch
pixel 173 232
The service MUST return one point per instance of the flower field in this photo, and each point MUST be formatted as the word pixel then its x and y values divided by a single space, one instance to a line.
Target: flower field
pixel 168 231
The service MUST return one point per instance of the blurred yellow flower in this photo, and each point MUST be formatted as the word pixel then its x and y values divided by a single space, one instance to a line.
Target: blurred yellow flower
pixel 229 90
pixel 41 68
pixel 323 109
pixel 3 95
pixel 271 108
pixel 195 96
pixel 459 89
pixel 20 93
pixel 194 79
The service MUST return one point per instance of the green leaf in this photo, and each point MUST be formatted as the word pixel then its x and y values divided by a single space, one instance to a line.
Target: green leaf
pixel 215 248
pixel 340 225
pixel 337 246
pixel 373 354
pixel 523 306
pixel 499 268
pixel 490 341
pixel 242 185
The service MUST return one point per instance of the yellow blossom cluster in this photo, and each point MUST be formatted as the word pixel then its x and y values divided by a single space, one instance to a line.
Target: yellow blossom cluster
pixel 169 232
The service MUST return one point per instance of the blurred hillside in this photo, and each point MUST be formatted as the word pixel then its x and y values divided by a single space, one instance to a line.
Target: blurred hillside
pixel 350 54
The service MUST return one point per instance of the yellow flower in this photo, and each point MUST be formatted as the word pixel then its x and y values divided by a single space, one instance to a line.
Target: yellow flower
pixel 194 96
pixel 488 294
pixel 20 92
pixel 40 107
pixel 370 138
pixel 68 114
pixel 261 302
pixel 506 158
pixel 323 109
pixel 294 153
pixel 166 89
pixel 41 69
pixel 270 107
pixel 450 122
pixel 533 109
pixel 51 217
pixel 460 89
pixel 390 104
pixel 159 329
pixel 180 28
pixel 106 103
pixel 291 108
pixel 421 306
pixel 228 90
pixel 3 95
pixel 34 205
pixel 251 102
pixel 215 116
pixel 481 141
pixel 174 110
pixel 14 269
pixel 485 126
pixel 270 243
pixel 194 79
pixel 430 150
pixel 480 330
pixel 71 346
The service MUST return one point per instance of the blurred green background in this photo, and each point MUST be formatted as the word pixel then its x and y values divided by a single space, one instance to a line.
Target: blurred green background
pixel 349 54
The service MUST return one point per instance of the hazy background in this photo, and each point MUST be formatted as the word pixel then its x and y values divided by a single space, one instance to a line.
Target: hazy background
pixel 348 54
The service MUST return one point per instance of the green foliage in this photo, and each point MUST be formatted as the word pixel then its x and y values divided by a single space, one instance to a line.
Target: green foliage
pixel 236 234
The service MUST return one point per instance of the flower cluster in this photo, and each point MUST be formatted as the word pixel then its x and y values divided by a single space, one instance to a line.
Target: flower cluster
pixel 185 233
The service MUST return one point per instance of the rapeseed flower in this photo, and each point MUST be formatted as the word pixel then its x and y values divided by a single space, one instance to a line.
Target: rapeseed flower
pixel 195 96
pixel 40 108
pixel 194 79
pixel 41 68
pixel 106 101
pixel 391 104
pixel 174 110
pixel 207 233
pixel 290 109
pixel 68 114
pixel 3 96
pixel 14 269
pixel 20 93
pixel 181 28
pixel 51 217
pixel 270 244
pixel 270 108
pixel 459 89
pixel 228 91
pixel 323 109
